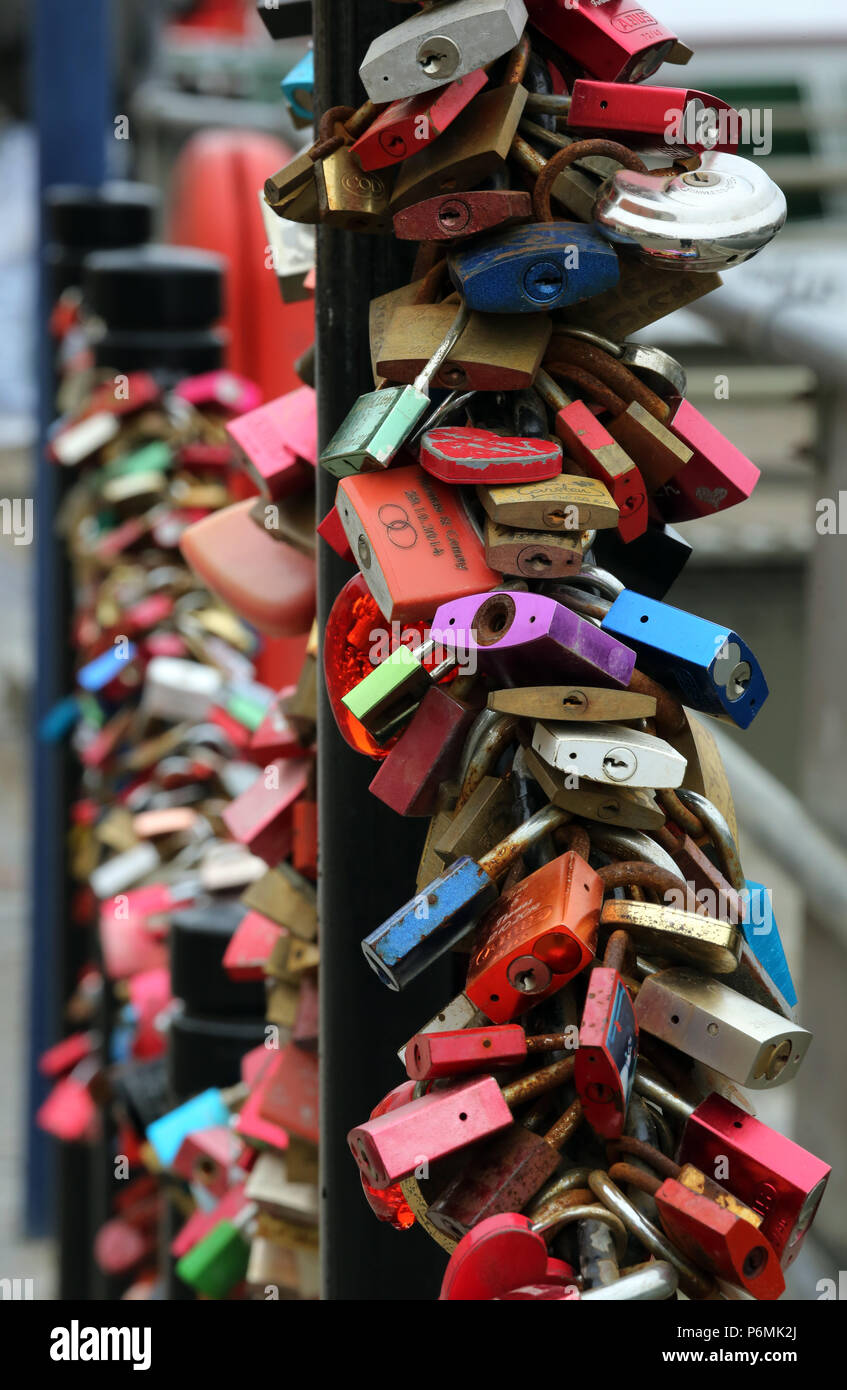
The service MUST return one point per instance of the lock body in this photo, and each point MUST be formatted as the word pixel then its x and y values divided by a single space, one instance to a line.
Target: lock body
pixel 405 127
pixel 502 1177
pixel 462 454
pixel 512 634
pixel 610 753
pixel 456 1052
pixel 394 1144
pixel 710 667
pixel 653 116
pixel 718 475
pixel 722 1029
pixel 672 934
pixel 534 554
pixel 538 935
pixel 541 266
pixel 412 541
pixel 430 49
pixel 618 41
pixel 608 1050
pixel 717 1240
pixel 458 216
pixel 564 502
pixel 781 1181
pixel 374 431
pixel 762 936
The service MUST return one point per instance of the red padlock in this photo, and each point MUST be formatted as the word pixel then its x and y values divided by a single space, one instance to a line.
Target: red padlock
pixel 618 40
pixel 463 454
pixel 608 1044
pixel 406 126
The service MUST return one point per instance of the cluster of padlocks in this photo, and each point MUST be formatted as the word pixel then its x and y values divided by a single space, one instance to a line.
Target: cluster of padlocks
pixel 193 839
pixel 569 1125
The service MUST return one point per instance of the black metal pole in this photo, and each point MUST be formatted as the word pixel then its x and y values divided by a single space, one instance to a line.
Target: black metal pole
pixel 369 855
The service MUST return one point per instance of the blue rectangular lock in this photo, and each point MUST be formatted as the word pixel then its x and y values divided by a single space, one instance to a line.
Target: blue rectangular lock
pixel 430 924
pixel 707 665
pixel 543 265
pixel 97 674
pixel 298 87
pixel 166 1134
pixel 762 936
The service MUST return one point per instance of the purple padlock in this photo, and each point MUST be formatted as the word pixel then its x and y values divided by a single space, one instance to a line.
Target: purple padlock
pixel 531 638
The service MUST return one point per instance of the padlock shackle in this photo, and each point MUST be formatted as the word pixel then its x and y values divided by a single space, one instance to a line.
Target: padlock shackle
pixel 692 1281
pixel 555 1214
pixel 662 1095
pixel 636 1177
pixel 537 1083
pixel 487 749
pixel 648 1153
pixel 498 860
pixel 550 391
pixel 559 1133
pixel 607 369
pixel 653 1281
pixel 722 837
pixel 442 352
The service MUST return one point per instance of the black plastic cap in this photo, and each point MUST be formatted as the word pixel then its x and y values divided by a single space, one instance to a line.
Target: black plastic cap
pixel 113 215
pixel 154 287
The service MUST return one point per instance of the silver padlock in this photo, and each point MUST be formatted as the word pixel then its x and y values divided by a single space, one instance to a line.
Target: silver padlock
pixel 440 45
pixel 609 753
pixel 702 219
pixel 722 1029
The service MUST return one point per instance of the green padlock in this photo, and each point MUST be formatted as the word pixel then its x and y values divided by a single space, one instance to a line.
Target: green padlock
pixel 381 422
pixel 219 1261
pixel 396 686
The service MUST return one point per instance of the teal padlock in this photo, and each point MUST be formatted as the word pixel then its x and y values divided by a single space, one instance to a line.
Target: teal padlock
pixel 381 421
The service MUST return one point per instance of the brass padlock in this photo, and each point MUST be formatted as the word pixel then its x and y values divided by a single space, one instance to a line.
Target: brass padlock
pixel 490 355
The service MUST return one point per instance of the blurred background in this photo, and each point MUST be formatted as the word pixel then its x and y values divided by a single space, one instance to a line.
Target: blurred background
pixel 767 363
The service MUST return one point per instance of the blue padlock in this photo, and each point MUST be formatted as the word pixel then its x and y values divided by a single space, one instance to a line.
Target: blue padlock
pixel 707 665
pixel 762 936
pixel 543 265
pixel 298 87
pixel 166 1134
pixel 100 672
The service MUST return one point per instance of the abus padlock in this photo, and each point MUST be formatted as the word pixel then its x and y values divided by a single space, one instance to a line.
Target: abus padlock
pixel 381 421
pixel 412 540
pixel 782 1182
pixel 609 753
pixel 722 1029
pixel 409 125
pixel 704 219
pixel 655 116
pixel 394 1144
pixel 438 46
pixel 462 454
pixel 537 936
pixel 709 666
pixel 618 41
pixel 539 266
pixel 604 1068
pixel 457 216
pixel 510 633
pixel 444 910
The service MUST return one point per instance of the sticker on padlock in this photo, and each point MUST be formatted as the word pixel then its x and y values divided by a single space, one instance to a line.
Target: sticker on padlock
pixel 542 266
pixel 604 1068
pixel 430 50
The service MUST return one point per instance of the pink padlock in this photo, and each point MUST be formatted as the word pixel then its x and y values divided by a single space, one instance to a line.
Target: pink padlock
pixel 393 1145
pixel 230 392
pixel 208 1157
pixel 717 477
pixel 260 818
pixel 278 443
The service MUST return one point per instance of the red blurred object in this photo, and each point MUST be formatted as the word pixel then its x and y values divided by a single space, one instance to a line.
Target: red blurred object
pixel 69 1112
pixel 356 629
pixel 213 16
pixel 215 206
pixel 63 1056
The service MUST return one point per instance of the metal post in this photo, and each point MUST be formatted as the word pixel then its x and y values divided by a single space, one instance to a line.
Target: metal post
pixel 368 855
pixel 71 65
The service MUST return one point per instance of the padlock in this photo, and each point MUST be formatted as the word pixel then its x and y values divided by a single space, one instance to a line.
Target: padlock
pixel 782 1182
pixel 286 898
pixel 441 914
pixel 713 1237
pixel 298 88
pixel 278 442
pixel 504 1175
pixel 616 42
pixel 511 634
pixel 495 1253
pixel 208 1157
pixel 249 947
pixel 714 1025
pixel 261 817
pixel 762 936
pixel 540 934
pixel 562 503
pixel 643 294
pixel 534 554
pixel 394 1144
pixel 458 1052
pixel 651 563
pixel 406 126
pixel 462 454
pixel 610 753
pixel 490 355
pixel 430 50
pixel 270 1187
pixel 693 1281
pixel 604 1068
pixel 655 117
pixel 584 437
pixel 458 216
pixel 475 148
pixel 672 934
pixel 410 777
pixel 571 702
pixel 381 421
pixel 484 812
pixel 219 1260
pixel 708 665
pixel 413 541
pixel 703 219
pixel 539 266
pixel 398 683
pixel 718 475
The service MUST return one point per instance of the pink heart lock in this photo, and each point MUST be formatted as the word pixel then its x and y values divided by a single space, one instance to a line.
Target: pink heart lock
pixel 463 454
pixel 500 1254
